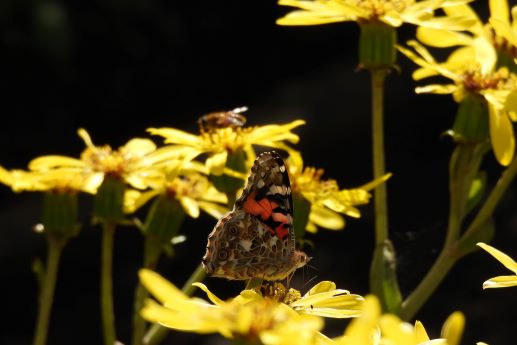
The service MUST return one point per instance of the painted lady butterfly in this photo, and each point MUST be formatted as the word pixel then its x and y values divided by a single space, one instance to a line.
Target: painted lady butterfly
pixel 256 239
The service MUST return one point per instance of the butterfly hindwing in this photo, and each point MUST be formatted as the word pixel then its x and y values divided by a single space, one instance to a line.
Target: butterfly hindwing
pixel 256 239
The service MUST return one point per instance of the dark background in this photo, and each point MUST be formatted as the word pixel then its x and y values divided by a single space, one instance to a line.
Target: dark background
pixel 117 67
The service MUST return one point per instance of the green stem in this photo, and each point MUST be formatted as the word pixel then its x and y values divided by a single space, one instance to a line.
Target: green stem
pixel 107 312
pixel 152 253
pixel 379 170
pixel 157 332
pixel 449 255
pixel 428 285
pixel 55 248
pixel 493 198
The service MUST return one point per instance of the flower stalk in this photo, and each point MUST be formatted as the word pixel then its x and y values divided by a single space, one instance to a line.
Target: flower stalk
pixel 163 222
pixel 46 297
pixel 455 247
pixel 108 206
pixel 107 310
pixel 383 279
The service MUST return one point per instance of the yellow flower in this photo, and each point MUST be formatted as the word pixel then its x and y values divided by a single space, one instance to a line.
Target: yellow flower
pixel 500 32
pixel 508 262
pixel 391 12
pixel 326 199
pixel 60 180
pixel 472 71
pixel 374 328
pixel 184 181
pixel 250 315
pixel 98 161
pixel 323 299
pixel 219 143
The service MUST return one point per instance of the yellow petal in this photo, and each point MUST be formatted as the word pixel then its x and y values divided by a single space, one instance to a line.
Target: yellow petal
pixel 216 162
pixel 215 210
pixel 138 147
pixel 442 38
pixel 485 54
pixel 175 136
pixel 190 206
pixel 133 199
pixel 501 135
pixel 452 329
pixel 499 10
pixel 510 105
pixel 216 300
pixel 436 88
pixel 507 261
pixel 50 162
pixel 500 282
pixel 323 286
pixel 86 138
pixel 5 177
pixel 420 332
pixel 325 218
pixel 159 287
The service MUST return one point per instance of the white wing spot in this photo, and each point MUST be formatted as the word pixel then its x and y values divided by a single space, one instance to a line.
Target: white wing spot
pixel 261 183
pixel 282 168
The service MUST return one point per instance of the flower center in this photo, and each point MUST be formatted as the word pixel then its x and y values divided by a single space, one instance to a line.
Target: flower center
pixel 378 8
pixel 474 81
pixel 105 159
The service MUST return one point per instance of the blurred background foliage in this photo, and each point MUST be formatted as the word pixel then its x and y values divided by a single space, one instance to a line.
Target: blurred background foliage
pixel 118 67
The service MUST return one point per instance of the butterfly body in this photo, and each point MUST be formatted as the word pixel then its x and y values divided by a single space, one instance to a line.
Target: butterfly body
pixel 256 239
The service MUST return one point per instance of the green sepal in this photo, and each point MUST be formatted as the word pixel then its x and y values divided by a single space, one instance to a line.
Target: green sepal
pixel 383 278
pixel 164 218
pixel 301 211
pixel 109 200
pixel 377 46
pixel 59 215
pixel 484 233
pixel 229 184
pixel 477 190
pixel 471 122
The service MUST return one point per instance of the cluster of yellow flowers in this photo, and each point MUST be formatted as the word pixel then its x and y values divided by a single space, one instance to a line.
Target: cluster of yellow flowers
pixel 203 172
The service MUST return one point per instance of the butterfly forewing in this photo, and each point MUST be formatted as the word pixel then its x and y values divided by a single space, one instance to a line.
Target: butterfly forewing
pixel 256 239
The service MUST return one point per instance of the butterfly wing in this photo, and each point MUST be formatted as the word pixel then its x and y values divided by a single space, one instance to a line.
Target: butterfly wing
pixel 267 196
pixel 256 239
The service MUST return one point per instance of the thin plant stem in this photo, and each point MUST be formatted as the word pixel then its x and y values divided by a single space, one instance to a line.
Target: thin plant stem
pixel 151 255
pixel 493 198
pixel 157 333
pixel 46 297
pixel 379 170
pixel 107 310
pixel 449 254
pixel 441 267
